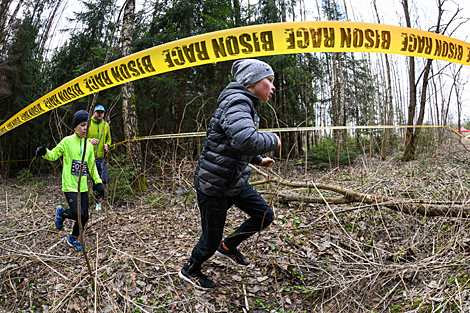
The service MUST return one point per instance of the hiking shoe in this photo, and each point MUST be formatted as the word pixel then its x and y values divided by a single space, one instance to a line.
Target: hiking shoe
pixel 98 206
pixel 74 243
pixel 59 220
pixel 232 254
pixel 197 279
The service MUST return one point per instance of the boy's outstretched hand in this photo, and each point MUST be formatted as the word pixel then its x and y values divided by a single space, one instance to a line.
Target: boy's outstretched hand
pixel 40 151
pixel 99 190
pixel 267 162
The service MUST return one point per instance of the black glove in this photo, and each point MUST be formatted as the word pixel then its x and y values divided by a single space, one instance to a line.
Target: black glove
pixel 99 190
pixel 40 151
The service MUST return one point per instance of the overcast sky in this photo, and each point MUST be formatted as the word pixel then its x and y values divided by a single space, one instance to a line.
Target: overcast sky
pixel 391 12
pixel 423 16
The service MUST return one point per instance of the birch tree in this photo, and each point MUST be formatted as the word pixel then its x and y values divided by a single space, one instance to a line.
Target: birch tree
pixel 129 110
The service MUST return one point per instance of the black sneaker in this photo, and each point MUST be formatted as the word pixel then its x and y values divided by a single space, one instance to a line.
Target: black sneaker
pixel 232 254
pixel 197 279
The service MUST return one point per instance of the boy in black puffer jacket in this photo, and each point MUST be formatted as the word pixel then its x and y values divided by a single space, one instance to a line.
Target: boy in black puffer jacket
pixel 221 177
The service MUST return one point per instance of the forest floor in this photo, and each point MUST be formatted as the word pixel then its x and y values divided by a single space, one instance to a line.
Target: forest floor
pixel 348 257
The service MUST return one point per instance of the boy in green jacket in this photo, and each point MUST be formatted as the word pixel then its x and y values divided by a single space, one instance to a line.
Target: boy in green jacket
pixel 72 148
pixel 99 136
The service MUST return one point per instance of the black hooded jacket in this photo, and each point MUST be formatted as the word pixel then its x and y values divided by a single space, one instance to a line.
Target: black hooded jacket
pixel 232 141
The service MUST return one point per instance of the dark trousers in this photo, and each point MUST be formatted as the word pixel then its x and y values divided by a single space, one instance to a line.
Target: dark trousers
pixel 213 214
pixel 72 213
pixel 102 169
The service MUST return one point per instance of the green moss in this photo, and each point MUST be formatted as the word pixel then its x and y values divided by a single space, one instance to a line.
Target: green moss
pixel 396 308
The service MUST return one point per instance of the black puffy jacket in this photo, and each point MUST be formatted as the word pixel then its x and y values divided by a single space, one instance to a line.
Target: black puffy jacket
pixel 232 141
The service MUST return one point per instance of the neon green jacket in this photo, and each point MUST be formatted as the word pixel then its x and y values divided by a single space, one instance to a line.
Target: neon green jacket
pixel 100 131
pixel 71 148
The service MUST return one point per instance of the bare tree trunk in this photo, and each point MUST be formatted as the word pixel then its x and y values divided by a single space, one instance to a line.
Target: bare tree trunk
pixel 5 30
pixel 389 100
pixel 342 113
pixel 48 27
pixel 38 8
pixel 307 146
pixel 424 92
pixel 458 96
pixel 436 101
pixel 237 12
pixel 283 11
pixel 412 133
pixel 4 6
pixel 389 105
pixel 339 96
pixel 129 110
pixel 445 107
pixel 409 142
pixel 333 80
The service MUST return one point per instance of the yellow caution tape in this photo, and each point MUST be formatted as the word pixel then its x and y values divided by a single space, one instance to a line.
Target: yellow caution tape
pixel 249 42
pixel 281 130
pixel 275 130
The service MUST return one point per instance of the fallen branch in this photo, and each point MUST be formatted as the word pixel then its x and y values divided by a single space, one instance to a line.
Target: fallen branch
pixel 424 208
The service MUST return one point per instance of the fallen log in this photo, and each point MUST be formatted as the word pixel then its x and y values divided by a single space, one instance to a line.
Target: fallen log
pixel 419 206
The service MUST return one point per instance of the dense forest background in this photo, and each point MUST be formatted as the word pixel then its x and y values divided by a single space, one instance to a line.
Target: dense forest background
pixel 315 89
pixel 356 229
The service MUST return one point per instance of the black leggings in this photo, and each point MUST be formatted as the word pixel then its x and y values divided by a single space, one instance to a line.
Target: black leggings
pixel 72 200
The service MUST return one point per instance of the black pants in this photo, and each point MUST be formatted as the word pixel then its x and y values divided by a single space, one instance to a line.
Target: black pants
pixel 72 200
pixel 103 173
pixel 213 214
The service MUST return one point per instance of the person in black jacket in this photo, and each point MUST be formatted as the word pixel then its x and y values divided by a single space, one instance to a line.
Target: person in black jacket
pixel 221 176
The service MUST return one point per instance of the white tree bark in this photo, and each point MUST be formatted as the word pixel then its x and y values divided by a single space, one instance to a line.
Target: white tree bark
pixel 129 110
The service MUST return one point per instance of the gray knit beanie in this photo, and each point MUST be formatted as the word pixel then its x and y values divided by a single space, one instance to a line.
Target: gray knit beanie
pixel 250 71
pixel 79 117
